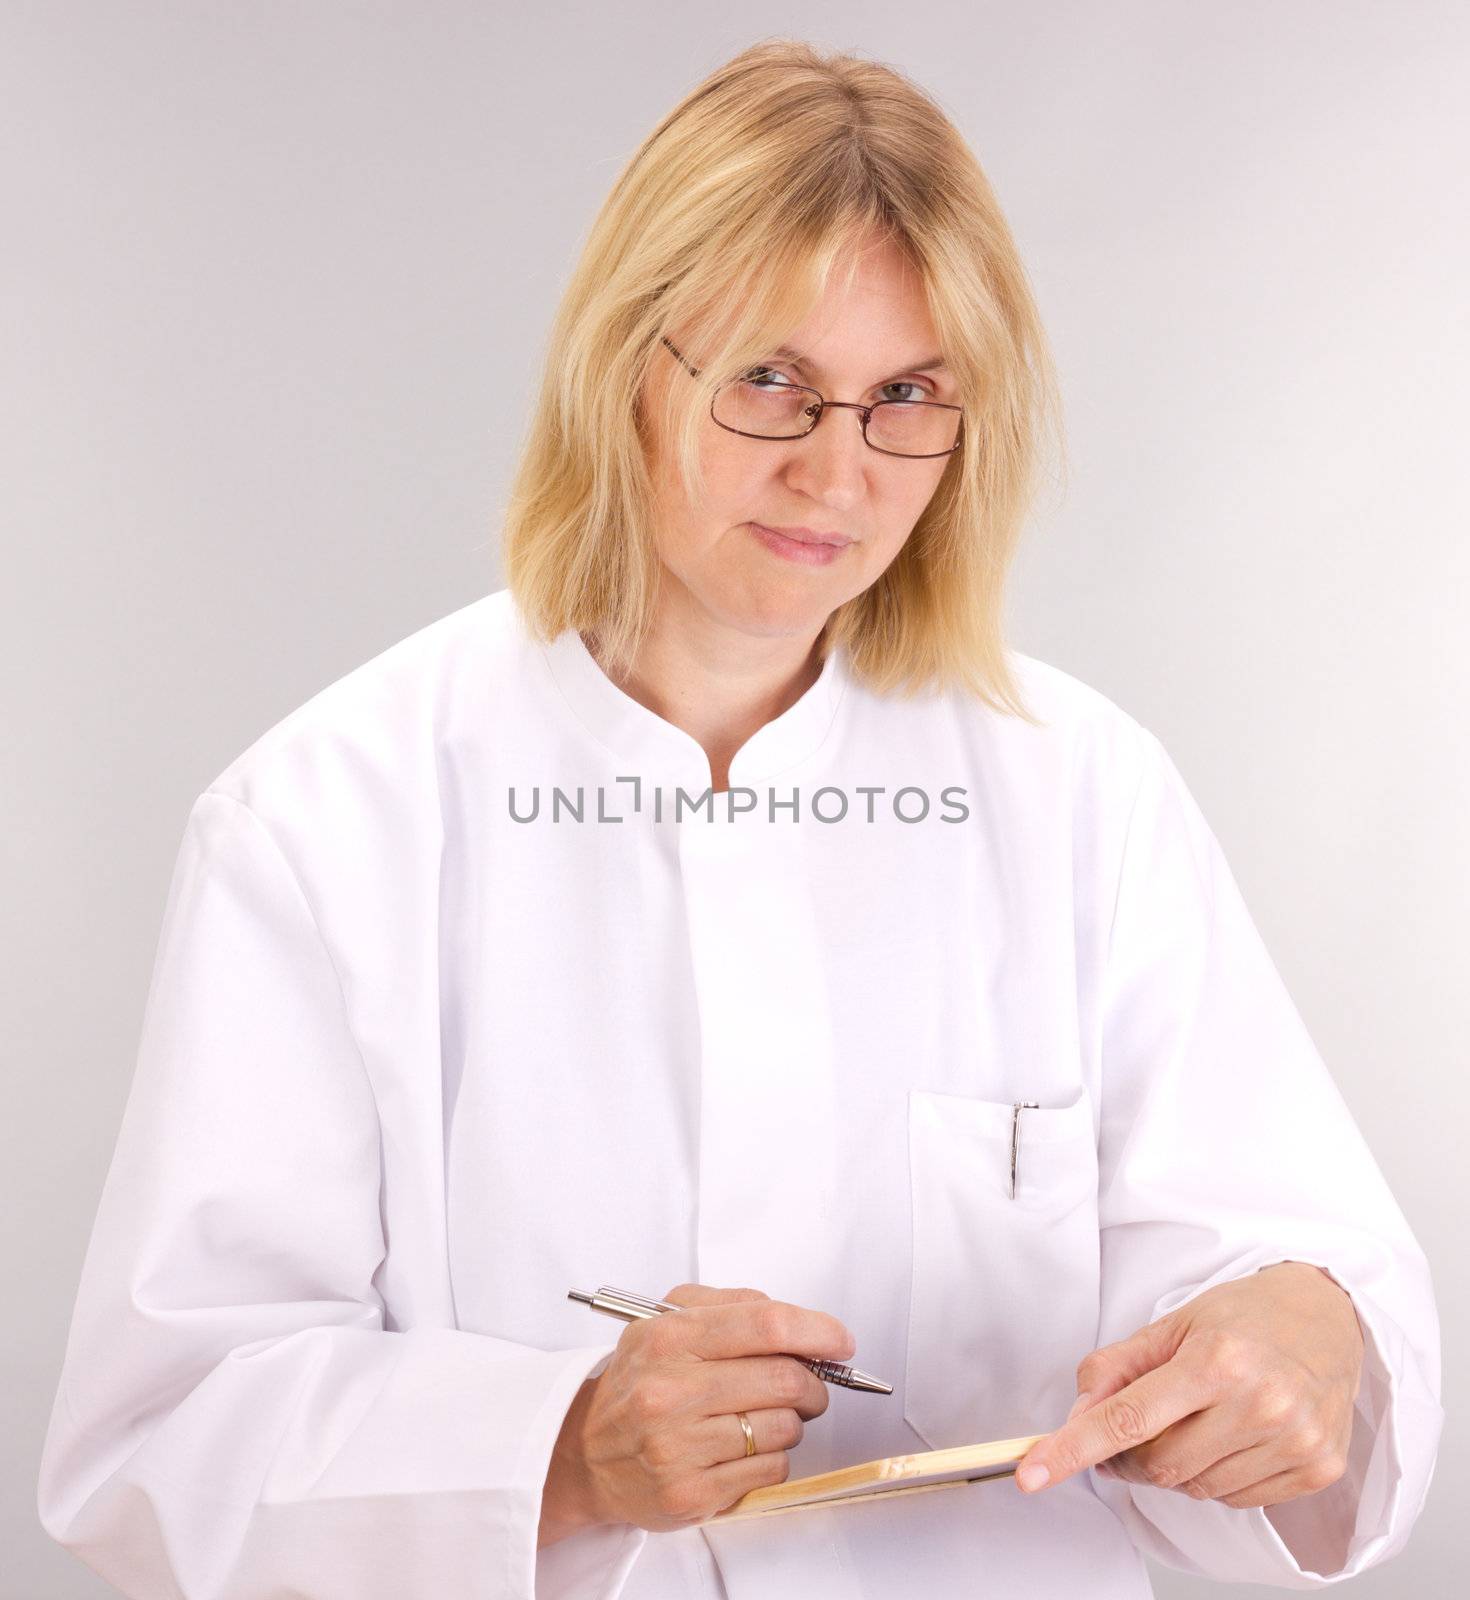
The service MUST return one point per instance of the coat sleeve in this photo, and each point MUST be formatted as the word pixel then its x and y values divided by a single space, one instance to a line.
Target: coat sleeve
pixel 1224 1147
pixel 233 1420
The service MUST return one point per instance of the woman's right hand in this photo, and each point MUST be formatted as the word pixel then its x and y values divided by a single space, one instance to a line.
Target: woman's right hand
pixel 655 1440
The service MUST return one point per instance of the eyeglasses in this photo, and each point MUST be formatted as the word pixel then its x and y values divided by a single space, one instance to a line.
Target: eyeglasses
pixel 760 410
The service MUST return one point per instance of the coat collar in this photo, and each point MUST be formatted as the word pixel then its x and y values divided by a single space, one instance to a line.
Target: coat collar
pixel 659 750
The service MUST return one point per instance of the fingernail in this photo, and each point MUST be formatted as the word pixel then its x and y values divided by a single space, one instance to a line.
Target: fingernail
pixel 1079 1404
pixel 1034 1476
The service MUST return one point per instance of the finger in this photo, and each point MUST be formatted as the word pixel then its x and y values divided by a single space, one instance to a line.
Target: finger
pixel 1132 1416
pixel 1193 1445
pixel 1112 1367
pixel 704 1294
pixel 1231 1474
pixel 760 1326
pixel 700 1495
pixel 1245 1469
pixel 1271 1491
pixel 723 1439
pixel 741 1383
pixel 732 1480
pixel 1268 1491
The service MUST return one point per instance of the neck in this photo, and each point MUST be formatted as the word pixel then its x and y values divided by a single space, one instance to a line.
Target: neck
pixel 719 685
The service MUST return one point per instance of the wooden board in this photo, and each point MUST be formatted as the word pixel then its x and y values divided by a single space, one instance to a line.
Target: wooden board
pixel 891 1475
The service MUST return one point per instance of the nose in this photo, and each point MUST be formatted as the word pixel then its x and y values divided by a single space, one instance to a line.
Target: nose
pixel 830 462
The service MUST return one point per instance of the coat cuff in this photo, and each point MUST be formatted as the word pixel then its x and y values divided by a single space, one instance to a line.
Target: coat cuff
pixel 594 1563
pixel 1320 1538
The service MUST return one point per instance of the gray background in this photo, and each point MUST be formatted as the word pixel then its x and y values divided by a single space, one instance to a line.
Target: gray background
pixel 274 285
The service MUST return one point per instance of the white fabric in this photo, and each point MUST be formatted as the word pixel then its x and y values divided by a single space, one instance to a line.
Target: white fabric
pixel 411 1069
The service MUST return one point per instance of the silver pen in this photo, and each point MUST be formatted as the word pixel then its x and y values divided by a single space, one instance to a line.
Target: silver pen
pixel 1017 1107
pixel 629 1307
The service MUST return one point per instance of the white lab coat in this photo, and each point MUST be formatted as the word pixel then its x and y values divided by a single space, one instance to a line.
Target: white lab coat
pixel 412 1068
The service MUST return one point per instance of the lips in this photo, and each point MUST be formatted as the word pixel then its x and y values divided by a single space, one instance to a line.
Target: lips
pixel 807 535
pixel 808 552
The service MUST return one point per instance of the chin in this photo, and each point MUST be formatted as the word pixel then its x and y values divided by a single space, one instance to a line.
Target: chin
pixel 787 613
pixel 772 623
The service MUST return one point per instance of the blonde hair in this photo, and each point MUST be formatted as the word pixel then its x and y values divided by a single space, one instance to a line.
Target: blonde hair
pixel 726 223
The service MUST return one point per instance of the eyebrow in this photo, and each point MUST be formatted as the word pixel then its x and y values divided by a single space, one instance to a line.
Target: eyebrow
pixel 928 364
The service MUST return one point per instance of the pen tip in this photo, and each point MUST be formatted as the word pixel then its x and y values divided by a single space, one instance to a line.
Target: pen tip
pixel 581 1295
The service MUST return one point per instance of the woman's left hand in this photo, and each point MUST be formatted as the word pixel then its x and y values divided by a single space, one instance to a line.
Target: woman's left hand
pixel 1244 1395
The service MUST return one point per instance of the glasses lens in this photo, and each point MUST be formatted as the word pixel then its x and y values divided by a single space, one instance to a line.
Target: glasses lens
pixel 765 406
pixel 913 428
pixel 770 408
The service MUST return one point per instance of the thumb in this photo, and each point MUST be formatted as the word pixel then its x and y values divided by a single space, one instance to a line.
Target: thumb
pixel 1114 1366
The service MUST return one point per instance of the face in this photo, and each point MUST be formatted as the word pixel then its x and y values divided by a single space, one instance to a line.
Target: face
pixel 863 342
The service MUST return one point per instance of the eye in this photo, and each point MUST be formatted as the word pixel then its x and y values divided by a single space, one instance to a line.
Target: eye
pixel 920 392
pixel 757 377
pixel 768 378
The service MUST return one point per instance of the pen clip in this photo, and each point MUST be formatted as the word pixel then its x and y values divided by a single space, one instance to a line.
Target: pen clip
pixel 1017 1106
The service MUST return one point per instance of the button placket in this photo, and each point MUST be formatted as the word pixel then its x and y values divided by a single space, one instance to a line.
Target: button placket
pixel 768 1180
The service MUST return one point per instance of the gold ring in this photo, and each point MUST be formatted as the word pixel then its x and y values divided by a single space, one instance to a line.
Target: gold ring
pixel 744 1422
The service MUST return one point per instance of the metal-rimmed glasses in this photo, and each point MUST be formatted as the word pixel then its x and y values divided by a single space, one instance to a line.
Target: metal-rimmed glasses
pixel 791 411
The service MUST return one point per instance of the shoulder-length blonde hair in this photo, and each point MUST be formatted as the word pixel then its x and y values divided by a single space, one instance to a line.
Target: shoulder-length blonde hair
pixel 726 223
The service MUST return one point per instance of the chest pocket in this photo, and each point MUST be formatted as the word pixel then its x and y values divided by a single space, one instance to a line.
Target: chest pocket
pixel 1004 1296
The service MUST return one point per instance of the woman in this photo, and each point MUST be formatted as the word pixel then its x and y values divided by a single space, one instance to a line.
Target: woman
pixel 722 905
